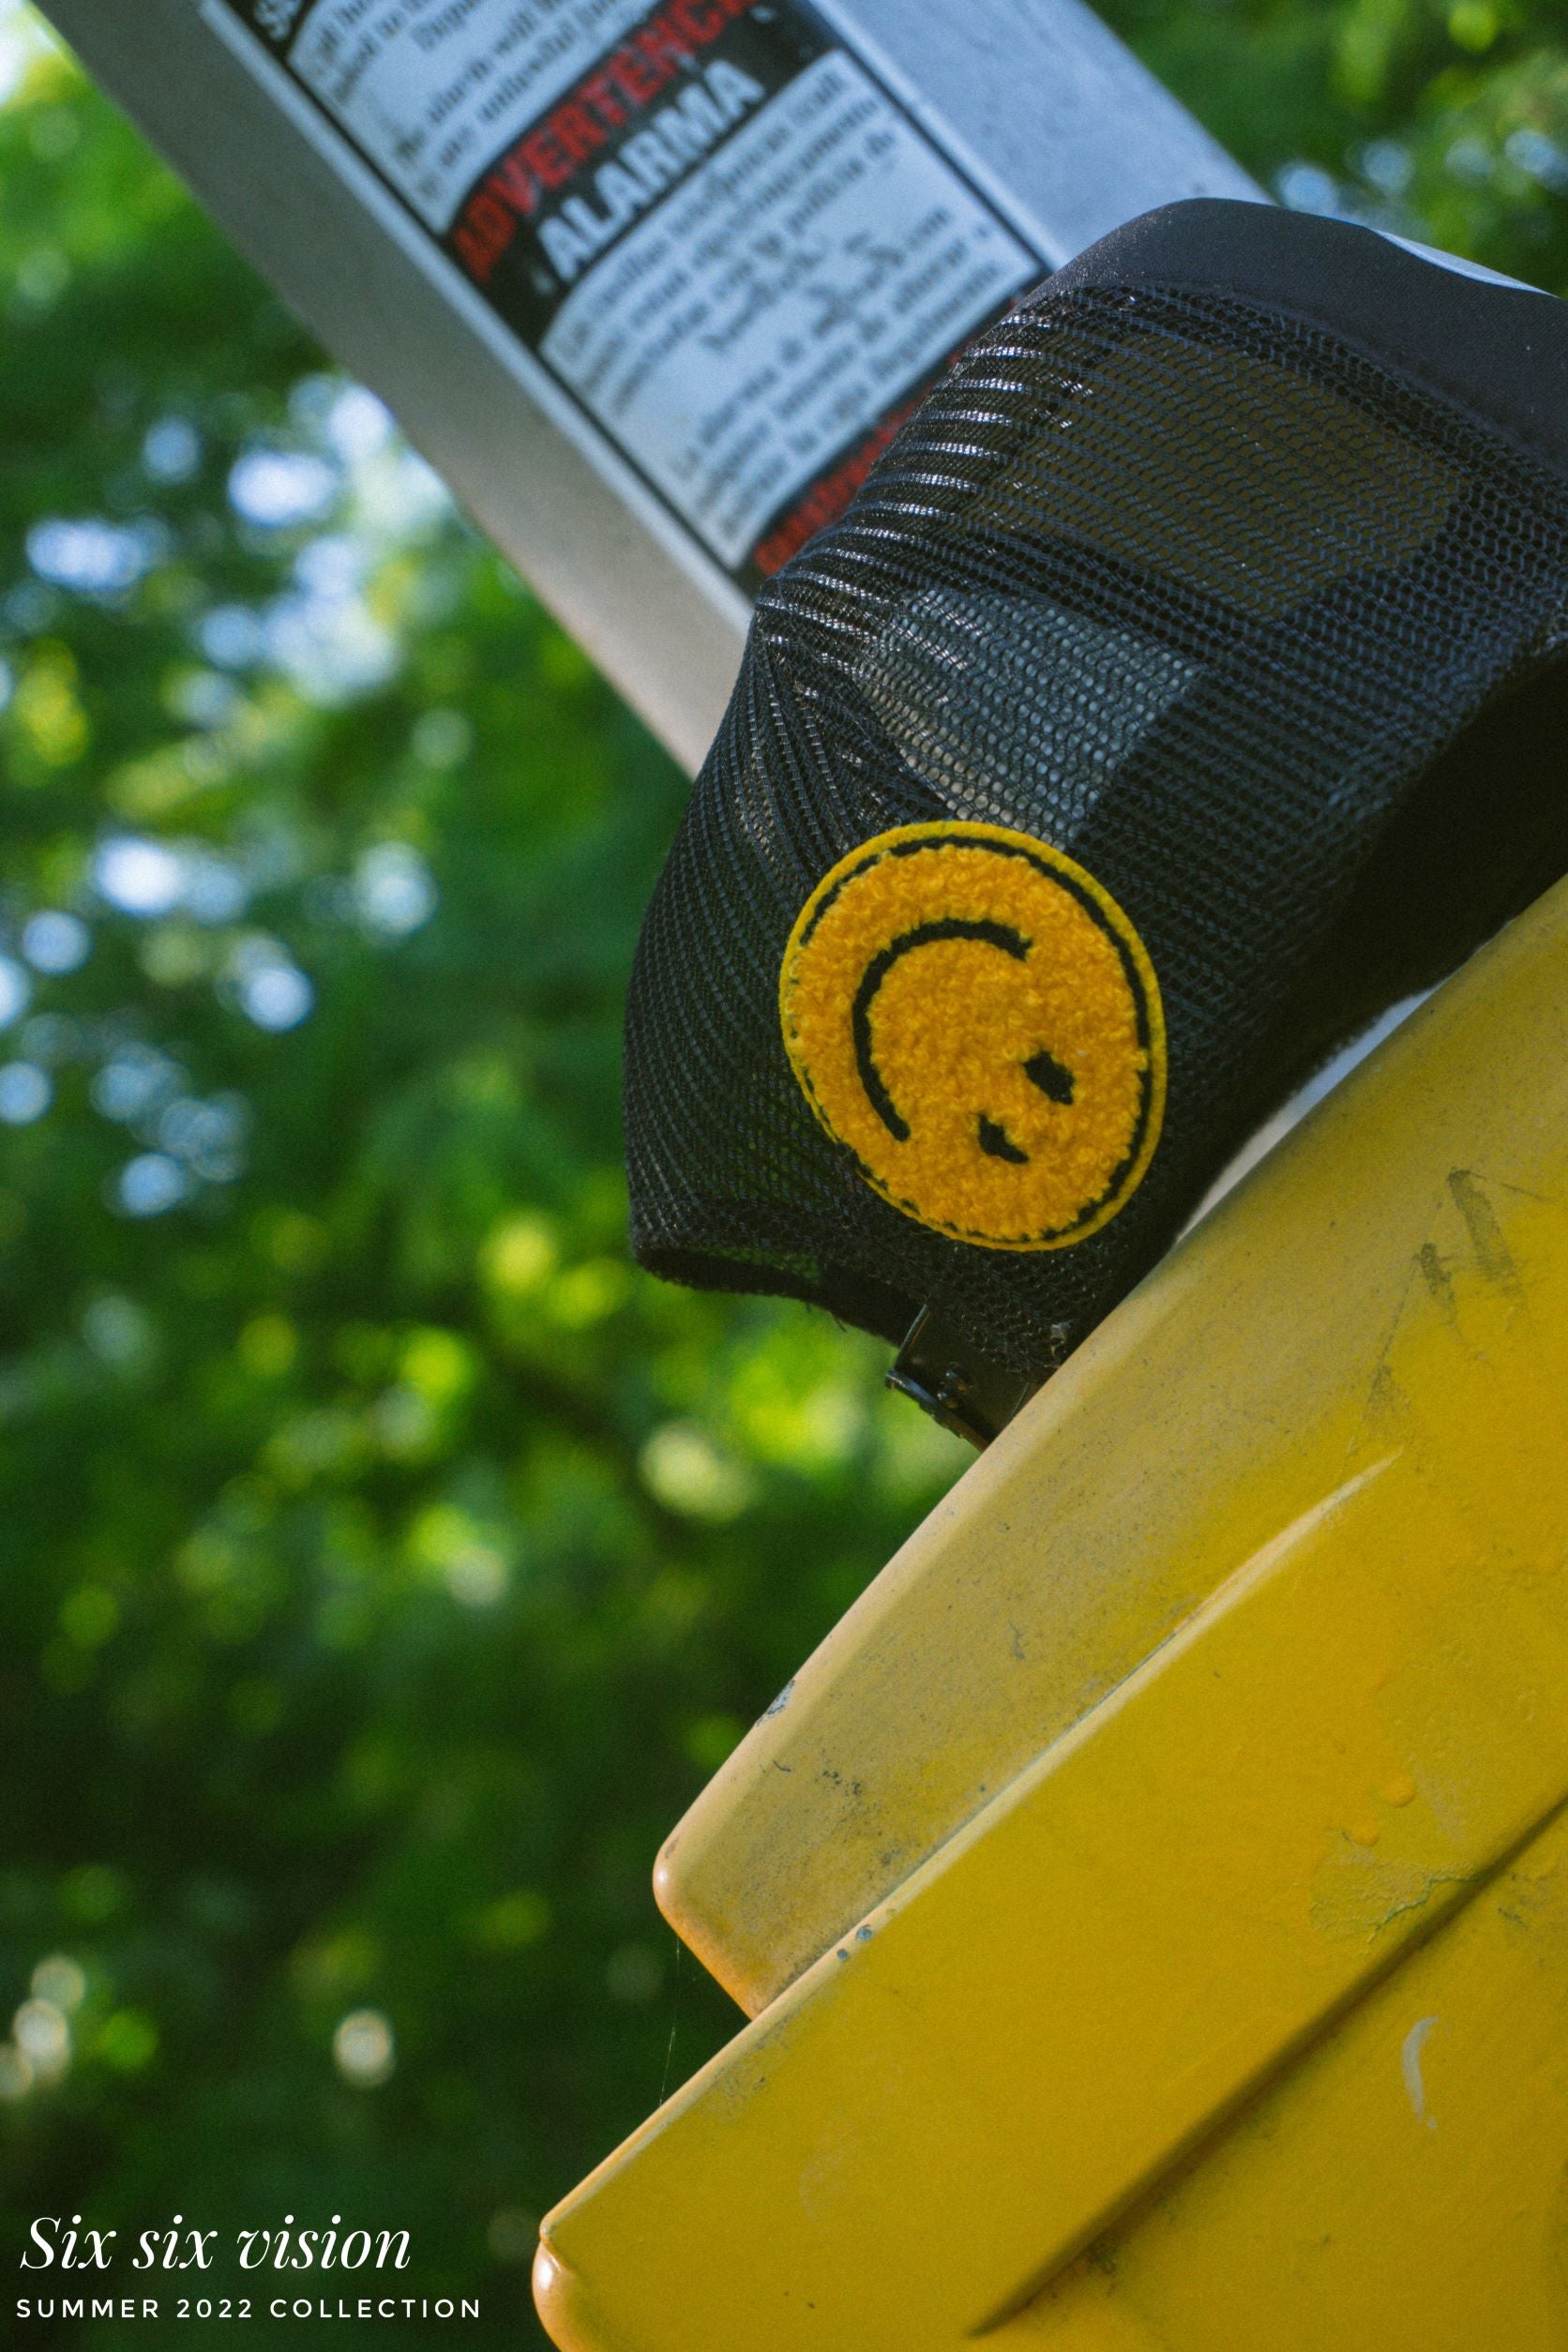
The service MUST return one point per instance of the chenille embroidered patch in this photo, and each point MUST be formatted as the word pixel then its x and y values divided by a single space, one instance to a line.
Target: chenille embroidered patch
pixel 975 1019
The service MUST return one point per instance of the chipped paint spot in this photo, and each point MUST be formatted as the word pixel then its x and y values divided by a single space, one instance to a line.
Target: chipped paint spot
pixel 1359 1894
pixel 781 1701
pixel 1410 2066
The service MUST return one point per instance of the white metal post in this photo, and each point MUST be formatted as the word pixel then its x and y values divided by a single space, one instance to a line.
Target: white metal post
pixel 649 281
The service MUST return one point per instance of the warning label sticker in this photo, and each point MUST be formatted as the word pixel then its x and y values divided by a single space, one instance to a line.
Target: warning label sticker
pixel 708 221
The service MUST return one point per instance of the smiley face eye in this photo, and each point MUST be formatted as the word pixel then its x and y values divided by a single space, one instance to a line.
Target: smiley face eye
pixel 998 1144
pixel 1050 1077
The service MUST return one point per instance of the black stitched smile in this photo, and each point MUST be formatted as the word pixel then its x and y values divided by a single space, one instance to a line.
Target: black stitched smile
pixel 1042 1068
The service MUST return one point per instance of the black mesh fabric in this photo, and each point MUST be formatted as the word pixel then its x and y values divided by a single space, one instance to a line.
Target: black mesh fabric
pixel 1251 612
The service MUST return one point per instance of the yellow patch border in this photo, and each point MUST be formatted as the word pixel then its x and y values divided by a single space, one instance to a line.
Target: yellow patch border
pixel 1118 928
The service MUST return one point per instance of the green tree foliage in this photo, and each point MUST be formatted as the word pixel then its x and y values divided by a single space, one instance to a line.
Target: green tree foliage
pixel 1441 120
pixel 387 1563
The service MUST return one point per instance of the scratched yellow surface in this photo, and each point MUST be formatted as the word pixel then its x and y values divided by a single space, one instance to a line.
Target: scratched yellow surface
pixel 1299 1785
pixel 1252 1640
pixel 1221 1401
pixel 1403 2190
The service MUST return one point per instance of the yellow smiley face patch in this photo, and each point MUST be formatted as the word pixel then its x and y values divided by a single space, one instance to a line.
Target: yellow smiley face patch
pixel 975 1019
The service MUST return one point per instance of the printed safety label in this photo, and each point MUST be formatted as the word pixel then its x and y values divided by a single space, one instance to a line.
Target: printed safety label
pixel 712 226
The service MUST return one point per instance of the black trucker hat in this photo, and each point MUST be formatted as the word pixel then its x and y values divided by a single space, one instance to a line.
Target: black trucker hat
pixel 1188 682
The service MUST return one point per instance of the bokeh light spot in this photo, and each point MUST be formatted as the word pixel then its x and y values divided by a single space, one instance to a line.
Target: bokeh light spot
pixel 53 941
pixel 364 2048
pixel 26 1092
pixel 149 1185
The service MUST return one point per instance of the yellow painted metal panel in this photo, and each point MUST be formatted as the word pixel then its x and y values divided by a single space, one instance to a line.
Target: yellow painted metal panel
pixel 1404 2192
pixel 1221 1402
pixel 1184 1888
pixel 1209 1888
